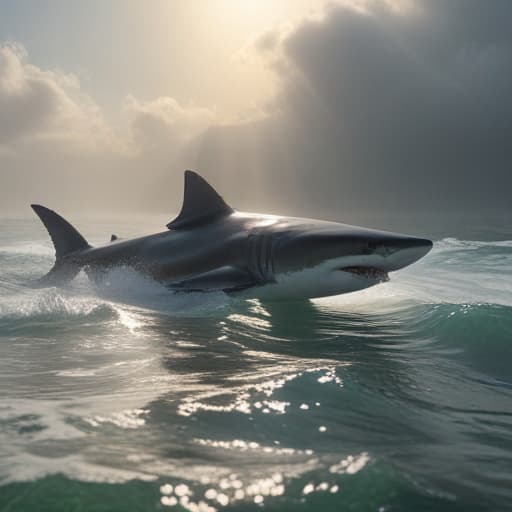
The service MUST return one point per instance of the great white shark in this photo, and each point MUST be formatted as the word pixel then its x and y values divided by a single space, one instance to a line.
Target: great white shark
pixel 211 247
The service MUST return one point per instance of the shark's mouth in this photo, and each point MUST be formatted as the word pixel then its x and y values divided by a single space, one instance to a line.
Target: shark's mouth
pixel 368 273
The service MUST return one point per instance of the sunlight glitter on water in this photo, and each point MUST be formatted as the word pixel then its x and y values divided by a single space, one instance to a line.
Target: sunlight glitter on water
pixel 245 398
pixel 129 320
pixel 228 491
pixel 351 464
pixel 125 419
pixel 243 446
pixel 235 487
pixel 202 401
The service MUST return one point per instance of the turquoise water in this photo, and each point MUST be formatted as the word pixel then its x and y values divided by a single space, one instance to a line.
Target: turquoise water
pixel 126 398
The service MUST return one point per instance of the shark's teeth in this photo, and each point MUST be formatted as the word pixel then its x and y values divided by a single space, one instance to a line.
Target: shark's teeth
pixel 367 272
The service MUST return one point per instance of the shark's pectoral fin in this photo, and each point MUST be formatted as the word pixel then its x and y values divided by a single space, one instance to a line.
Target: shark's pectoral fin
pixel 226 279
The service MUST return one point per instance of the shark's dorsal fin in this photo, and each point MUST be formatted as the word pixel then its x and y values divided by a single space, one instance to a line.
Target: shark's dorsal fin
pixel 201 203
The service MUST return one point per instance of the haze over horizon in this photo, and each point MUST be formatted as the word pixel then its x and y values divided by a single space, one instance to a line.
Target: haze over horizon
pixel 296 107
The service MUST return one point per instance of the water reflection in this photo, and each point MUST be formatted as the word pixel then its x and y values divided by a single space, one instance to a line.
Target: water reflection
pixel 236 374
pixel 249 401
pixel 336 378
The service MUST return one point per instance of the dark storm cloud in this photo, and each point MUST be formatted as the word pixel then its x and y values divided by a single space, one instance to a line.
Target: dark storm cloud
pixel 401 110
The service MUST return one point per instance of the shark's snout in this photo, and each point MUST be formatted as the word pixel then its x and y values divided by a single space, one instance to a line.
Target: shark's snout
pixel 385 252
pixel 403 251
pixel 350 247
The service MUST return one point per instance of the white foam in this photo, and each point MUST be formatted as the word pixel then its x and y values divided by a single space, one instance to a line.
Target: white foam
pixel 127 286
pixel 29 303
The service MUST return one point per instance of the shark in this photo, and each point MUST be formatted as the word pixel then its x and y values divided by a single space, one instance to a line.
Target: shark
pixel 211 247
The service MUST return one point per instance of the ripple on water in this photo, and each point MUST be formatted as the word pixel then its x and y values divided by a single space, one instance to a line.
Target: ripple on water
pixel 352 402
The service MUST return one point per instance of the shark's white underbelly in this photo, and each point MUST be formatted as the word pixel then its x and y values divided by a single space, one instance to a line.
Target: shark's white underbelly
pixel 309 284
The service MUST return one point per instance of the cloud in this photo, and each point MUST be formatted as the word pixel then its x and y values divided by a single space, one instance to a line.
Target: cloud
pixel 26 102
pixel 164 121
pixel 383 107
pixel 57 147
pixel 36 103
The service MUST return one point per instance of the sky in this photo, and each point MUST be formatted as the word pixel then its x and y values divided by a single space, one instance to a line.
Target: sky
pixel 305 107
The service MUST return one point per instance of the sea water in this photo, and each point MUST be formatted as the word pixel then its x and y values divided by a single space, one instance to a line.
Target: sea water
pixel 125 397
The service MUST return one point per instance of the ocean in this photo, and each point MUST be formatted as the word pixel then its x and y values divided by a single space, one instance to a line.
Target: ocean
pixel 124 397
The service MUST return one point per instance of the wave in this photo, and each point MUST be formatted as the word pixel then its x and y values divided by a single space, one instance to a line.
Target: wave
pixel 53 311
pixel 455 243
pixel 29 248
pixel 47 302
pixel 127 380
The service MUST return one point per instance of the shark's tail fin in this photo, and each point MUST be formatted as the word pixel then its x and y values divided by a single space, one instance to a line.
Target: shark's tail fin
pixel 66 240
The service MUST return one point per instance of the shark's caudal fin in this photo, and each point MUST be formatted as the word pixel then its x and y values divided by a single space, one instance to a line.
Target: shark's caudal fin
pixel 66 240
pixel 201 203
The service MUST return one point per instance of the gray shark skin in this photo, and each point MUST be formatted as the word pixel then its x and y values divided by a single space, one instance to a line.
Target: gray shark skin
pixel 211 247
